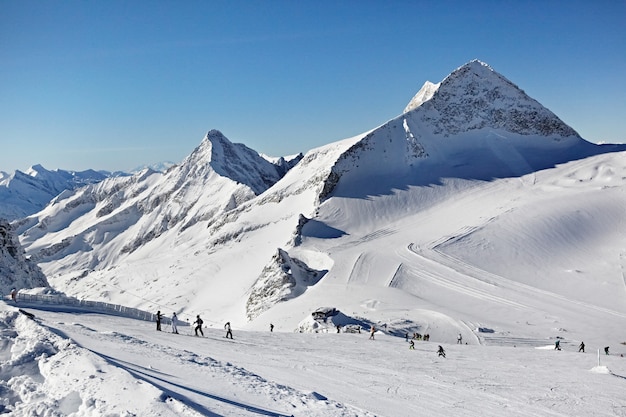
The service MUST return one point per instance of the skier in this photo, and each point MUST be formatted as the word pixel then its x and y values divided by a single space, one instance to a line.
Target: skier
pixel 441 352
pixel 271 327
pixel 581 347
pixel 557 345
pixel 229 332
pixel 338 329
pixel 174 323
pixel 459 339
pixel 372 331
pixel 158 320
pixel 411 344
pixel 606 350
pixel 14 295
pixel 198 324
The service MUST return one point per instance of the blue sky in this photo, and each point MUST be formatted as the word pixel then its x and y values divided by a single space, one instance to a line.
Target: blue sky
pixel 116 84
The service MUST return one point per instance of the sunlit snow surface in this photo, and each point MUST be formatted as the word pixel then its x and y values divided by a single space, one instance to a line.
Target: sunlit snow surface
pixel 496 222
pixel 79 364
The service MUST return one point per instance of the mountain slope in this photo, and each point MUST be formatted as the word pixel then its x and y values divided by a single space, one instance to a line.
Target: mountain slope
pixel 125 213
pixel 393 223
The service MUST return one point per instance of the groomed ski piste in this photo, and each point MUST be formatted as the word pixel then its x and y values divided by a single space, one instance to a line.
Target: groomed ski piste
pixel 82 363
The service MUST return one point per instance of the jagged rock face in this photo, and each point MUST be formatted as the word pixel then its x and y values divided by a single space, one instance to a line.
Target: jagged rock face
pixel 282 279
pixel 15 270
pixel 476 97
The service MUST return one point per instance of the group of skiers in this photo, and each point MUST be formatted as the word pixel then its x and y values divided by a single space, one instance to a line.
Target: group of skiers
pixel 581 347
pixel 197 325
pixel 416 336
pixel 174 321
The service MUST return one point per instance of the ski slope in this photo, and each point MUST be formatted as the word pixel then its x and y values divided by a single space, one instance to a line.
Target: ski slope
pixel 83 364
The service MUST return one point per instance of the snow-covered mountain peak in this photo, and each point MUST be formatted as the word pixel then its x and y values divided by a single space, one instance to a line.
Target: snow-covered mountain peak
pixel 232 160
pixel 474 97
pixel 35 170
pixel 424 94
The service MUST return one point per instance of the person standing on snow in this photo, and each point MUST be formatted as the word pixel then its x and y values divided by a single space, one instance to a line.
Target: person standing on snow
pixel 557 345
pixel 198 324
pixel 411 344
pixel 158 320
pixel 372 331
pixel 606 350
pixel 459 339
pixel 271 327
pixel 581 347
pixel 441 352
pixel 229 332
pixel 174 323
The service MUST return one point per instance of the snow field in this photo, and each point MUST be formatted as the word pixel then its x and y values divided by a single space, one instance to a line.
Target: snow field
pixel 124 367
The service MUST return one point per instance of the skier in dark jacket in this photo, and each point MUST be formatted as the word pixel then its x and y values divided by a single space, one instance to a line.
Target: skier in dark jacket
pixel 158 320
pixel 441 352
pixel 606 350
pixel 198 324
pixel 581 347
pixel 229 332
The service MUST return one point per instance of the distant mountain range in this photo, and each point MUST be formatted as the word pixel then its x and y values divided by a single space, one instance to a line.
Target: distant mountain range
pixel 238 237
pixel 25 193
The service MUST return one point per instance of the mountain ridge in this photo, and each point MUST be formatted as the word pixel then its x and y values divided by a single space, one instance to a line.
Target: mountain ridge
pixel 194 220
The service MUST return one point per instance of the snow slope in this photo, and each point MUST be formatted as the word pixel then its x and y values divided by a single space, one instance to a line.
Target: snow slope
pixel 476 212
pixel 81 364
pixel 475 203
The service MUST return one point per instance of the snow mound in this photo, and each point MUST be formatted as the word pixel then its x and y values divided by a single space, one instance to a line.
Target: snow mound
pixel 42 371
pixel 600 370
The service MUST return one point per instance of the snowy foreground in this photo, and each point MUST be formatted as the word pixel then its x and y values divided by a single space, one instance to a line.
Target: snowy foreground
pixel 86 364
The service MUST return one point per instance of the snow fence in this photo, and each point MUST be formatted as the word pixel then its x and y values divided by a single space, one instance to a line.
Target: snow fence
pixel 71 303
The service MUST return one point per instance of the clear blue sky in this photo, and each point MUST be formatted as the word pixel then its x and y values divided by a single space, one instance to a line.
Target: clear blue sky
pixel 115 84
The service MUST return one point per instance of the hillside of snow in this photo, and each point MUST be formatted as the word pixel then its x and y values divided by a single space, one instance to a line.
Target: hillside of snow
pixel 475 201
pixel 477 212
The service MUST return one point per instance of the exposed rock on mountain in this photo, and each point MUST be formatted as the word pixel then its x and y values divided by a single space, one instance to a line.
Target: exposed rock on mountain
pixel 16 271
pixel 476 97
pixel 284 278
pixel 475 124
